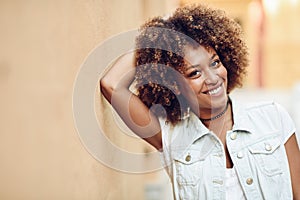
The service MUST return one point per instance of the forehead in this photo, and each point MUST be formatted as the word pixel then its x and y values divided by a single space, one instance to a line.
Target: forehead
pixel 198 55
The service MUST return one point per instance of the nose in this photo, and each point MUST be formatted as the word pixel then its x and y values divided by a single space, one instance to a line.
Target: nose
pixel 211 77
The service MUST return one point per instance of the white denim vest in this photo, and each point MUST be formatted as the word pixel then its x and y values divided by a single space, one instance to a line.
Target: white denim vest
pixel 195 160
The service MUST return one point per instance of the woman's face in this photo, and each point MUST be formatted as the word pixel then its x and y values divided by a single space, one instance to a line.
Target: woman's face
pixel 205 79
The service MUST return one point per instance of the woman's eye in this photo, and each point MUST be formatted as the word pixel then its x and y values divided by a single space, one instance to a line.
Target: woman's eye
pixel 194 74
pixel 215 63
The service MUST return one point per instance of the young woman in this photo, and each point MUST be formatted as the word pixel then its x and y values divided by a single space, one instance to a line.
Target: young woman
pixel 213 147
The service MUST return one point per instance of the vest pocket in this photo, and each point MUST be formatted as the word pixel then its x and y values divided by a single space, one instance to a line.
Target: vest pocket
pixel 267 155
pixel 189 173
pixel 189 168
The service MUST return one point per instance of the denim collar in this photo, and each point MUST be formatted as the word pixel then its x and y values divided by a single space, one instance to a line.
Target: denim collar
pixel 192 129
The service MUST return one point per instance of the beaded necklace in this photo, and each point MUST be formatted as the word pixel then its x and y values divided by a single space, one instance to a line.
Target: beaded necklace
pixel 217 116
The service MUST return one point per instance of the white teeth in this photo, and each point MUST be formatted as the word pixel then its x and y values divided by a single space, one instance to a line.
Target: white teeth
pixel 214 91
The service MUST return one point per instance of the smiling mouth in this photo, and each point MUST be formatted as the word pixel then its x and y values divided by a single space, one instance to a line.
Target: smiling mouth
pixel 214 91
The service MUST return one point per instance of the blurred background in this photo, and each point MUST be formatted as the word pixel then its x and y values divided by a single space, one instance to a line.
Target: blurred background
pixel 42 46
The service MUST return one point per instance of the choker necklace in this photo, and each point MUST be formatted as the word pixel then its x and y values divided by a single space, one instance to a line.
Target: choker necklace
pixel 217 116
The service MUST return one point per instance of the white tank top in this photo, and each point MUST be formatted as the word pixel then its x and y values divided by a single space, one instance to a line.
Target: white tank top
pixel 234 189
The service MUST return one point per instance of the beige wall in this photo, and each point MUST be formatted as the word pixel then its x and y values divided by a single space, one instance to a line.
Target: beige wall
pixel 43 44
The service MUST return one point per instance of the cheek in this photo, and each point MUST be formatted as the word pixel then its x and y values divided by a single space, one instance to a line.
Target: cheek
pixel 223 73
pixel 196 85
pixel 189 89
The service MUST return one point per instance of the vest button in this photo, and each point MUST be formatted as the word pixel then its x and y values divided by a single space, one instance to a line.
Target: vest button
pixel 188 158
pixel 233 136
pixel 240 154
pixel 249 181
pixel 268 147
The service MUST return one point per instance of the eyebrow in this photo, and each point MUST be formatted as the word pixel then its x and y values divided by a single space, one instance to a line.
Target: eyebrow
pixel 195 66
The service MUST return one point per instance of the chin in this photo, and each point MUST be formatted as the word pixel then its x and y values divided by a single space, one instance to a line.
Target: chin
pixel 220 102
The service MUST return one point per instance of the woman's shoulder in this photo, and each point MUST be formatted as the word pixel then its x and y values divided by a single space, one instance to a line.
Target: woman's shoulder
pixel 268 117
pixel 260 105
pixel 268 107
pixel 271 109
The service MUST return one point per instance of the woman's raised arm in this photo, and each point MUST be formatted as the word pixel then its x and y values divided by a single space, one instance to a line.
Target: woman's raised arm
pixel 136 115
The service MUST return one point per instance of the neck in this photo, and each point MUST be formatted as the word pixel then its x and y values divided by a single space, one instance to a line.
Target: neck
pixel 221 124
pixel 220 114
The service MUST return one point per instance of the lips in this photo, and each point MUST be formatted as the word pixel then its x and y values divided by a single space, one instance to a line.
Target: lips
pixel 214 91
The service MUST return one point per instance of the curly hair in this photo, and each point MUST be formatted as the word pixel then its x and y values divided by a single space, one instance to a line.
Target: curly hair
pixel 160 50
